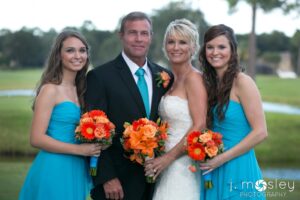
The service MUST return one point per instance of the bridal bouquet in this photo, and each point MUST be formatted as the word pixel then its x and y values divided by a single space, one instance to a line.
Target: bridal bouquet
pixel 95 127
pixel 143 139
pixel 202 146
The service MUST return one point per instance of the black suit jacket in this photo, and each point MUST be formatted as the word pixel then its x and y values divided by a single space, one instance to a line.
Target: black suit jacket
pixel 112 88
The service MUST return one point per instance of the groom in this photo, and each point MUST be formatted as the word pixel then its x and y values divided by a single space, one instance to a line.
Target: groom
pixel 125 94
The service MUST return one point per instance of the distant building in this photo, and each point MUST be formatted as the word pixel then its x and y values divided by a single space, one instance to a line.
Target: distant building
pixel 285 69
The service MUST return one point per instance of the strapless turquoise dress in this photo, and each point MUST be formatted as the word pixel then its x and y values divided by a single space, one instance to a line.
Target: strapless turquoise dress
pixel 239 177
pixel 55 176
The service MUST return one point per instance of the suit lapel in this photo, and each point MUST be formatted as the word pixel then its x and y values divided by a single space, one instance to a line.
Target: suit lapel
pixel 155 92
pixel 129 82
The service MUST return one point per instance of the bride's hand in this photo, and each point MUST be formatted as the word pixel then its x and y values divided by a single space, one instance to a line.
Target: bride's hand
pixel 157 165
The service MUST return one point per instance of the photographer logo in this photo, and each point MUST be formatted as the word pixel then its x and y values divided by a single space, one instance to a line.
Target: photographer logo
pixel 260 185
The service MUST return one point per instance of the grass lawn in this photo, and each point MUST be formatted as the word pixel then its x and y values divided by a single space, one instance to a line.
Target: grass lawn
pixel 275 189
pixel 12 177
pixel 19 79
pixel 13 174
pixel 274 89
pixel 15 121
pixel 282 144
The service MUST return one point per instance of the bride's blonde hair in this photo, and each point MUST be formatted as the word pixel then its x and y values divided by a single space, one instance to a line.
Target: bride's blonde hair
pixel 186 29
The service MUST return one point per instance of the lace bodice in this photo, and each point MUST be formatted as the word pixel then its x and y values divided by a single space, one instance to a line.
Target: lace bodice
pixel 175 111
pixel 177 182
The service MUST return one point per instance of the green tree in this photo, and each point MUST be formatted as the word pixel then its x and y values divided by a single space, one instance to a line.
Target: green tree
pixel 296 50
pixel 96 39
pixel 276 41
pixel 4 35
pixel 161 19
pixel 109 48
pixel 23 48
pixel 242 48
pixel 267 6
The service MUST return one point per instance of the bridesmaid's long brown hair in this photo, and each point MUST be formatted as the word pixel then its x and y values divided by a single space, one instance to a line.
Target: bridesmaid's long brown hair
pixel 219 90
pixel 53 72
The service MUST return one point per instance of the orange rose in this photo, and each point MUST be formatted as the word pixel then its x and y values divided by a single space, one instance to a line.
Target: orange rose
pixel 149 131
pixel 211 151
pixel 210 143
pixel 100 131
pixel 205 137
pixel 128 131
pixel 86 119
pixel 101 119
pixel 165 78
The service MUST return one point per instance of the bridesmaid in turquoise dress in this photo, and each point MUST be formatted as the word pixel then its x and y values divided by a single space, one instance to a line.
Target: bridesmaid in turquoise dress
pixel 60 170
pixel 234 110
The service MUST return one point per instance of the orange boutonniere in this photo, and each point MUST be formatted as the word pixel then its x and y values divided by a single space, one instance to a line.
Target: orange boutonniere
pixel 163 79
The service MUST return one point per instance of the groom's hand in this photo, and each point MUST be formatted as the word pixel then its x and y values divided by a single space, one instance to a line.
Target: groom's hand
pixel 113 189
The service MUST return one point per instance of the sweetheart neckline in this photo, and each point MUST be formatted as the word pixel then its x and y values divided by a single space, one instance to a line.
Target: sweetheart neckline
pixel 64 102
pixel 173 96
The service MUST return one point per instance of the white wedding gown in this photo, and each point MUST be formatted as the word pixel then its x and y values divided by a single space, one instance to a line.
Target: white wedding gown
pixel 177 182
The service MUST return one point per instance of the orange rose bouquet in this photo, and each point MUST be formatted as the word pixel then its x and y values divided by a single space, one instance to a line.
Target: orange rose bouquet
pixel 202 146
pixel 95 127
pixel 144 139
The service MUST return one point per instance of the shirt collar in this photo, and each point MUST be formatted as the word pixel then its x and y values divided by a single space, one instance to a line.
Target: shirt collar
pixel 134 67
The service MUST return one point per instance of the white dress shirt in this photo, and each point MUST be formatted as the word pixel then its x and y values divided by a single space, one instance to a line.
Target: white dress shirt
pixel 148 76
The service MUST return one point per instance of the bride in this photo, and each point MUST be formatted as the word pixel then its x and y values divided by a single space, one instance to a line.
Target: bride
pixel 184 107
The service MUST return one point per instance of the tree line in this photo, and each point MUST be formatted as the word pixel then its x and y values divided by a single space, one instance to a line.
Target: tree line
pixel 29 47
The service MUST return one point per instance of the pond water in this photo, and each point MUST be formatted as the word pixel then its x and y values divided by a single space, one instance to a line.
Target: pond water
pixel 281 173
pixel 20 92
pixel 280 108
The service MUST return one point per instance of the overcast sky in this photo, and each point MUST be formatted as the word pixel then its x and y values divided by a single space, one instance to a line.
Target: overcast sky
pixel 105 14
